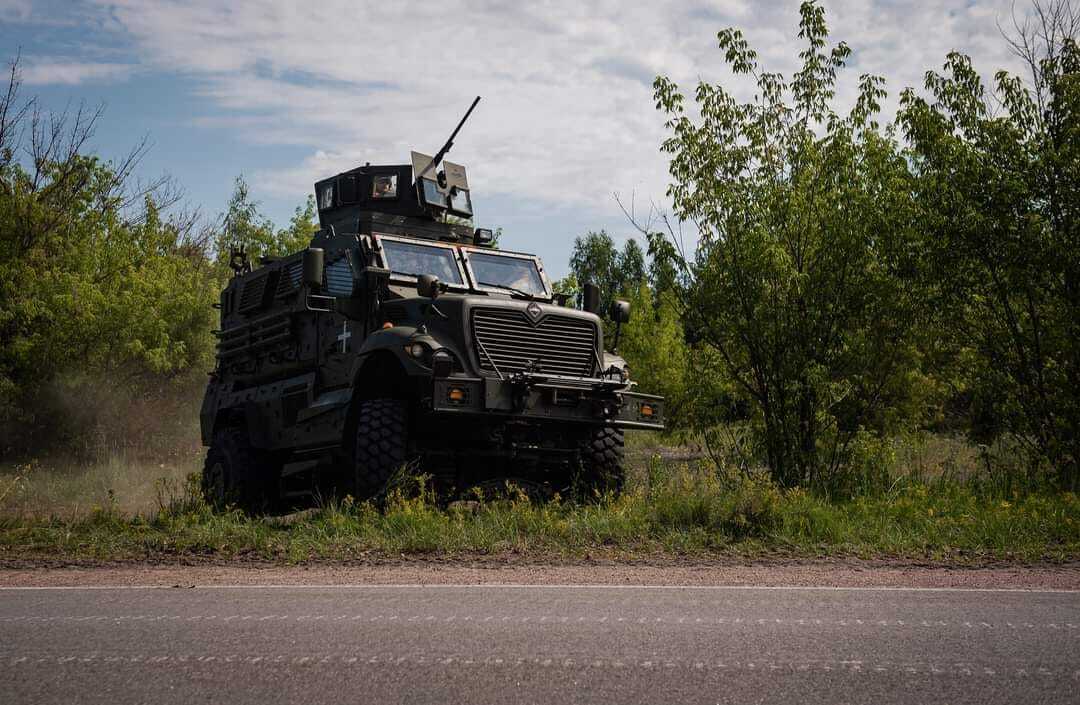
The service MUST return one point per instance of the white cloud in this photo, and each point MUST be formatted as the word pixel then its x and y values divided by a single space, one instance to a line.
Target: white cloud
pixel 15 10
pixel 46 71
pixel 567 115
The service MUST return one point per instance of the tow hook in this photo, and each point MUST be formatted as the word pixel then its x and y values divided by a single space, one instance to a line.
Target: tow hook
pixel 520 389
pixel 607 409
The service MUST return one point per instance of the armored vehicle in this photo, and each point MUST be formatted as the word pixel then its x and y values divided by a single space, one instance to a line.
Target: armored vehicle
pixel 403 335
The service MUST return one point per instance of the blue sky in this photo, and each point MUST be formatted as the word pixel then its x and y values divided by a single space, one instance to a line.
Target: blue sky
pixel 287 93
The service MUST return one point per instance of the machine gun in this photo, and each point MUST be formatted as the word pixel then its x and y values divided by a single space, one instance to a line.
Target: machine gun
pixel 437 159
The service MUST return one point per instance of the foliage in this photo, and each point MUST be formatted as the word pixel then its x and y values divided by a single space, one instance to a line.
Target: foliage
pixel 103 284
pixel 94 280
pixel 801 282
pixel 244 226
pixel 567 286
pixel 596 260
pixel 655 349
pixel 672 511
pixel 999 182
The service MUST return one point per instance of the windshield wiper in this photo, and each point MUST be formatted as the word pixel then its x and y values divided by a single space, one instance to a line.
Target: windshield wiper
pixel 520 292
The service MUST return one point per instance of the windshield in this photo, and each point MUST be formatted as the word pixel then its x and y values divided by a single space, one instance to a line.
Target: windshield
pixel 500 270
pixel 414 259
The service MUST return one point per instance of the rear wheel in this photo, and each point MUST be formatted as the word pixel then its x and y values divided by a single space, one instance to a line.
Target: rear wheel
pixel 602 463
pixel 381 445
pixel 236 474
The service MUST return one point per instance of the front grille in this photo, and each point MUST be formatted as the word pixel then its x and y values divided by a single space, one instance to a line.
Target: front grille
pixel 561 345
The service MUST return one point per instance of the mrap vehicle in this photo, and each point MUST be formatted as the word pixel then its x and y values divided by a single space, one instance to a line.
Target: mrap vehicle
pixel 404 336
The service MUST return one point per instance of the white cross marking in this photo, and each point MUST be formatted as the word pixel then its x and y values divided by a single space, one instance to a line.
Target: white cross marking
pixel 344 337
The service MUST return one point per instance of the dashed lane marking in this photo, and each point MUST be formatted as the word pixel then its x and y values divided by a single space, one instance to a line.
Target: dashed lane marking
pixel 676 619
pixel 849 666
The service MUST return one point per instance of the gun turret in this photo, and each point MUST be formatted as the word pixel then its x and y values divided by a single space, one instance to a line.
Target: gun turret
pixel 410 199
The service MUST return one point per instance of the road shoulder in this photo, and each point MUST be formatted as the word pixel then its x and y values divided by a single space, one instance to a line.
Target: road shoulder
pixel 835 574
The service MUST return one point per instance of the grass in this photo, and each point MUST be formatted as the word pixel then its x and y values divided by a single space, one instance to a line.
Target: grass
pixel 128 482
pixel 671 510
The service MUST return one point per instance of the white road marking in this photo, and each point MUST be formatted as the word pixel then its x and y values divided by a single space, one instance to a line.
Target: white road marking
pixel 847 623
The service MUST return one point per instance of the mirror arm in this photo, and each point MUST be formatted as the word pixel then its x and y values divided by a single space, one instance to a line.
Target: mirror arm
pixel 433 309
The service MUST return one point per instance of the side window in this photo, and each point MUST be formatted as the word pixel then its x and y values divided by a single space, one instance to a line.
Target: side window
pixel 384 186
pixel 326 197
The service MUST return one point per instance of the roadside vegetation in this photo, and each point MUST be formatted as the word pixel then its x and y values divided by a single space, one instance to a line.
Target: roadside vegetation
pixel 867 329
pixel 950 510
pixel 683 513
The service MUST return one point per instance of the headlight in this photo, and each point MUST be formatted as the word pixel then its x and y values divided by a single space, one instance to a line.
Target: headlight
pixel 417 351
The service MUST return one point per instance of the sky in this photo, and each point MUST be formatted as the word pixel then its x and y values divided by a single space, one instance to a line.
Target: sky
pixel 287 93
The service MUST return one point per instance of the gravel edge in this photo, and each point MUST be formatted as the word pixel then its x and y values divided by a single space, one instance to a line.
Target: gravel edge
pixel 846 574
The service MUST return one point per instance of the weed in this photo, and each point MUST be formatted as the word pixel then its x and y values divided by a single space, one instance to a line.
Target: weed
pixel 946 506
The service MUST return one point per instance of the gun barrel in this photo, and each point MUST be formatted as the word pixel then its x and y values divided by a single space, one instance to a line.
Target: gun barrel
pixel 449 143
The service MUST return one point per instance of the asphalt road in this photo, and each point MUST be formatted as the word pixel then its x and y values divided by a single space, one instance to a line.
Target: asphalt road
pixel 550 644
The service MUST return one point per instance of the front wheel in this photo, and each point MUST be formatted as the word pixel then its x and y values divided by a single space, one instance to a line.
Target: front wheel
pixel 380 446
pixel 603 467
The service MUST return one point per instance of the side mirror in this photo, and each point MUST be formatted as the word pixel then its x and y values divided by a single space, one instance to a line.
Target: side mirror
pixel 620 311
pixel 314 270
pixel 428 285
pixel 590 300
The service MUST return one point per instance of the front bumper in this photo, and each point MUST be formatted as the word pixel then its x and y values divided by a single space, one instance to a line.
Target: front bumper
pixel 548 398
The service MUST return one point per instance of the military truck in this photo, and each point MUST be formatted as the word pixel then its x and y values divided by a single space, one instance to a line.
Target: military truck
pixel 404 336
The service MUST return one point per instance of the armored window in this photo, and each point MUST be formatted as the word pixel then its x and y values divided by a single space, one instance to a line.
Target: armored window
pixel 339 281
pixel 384 186
pixel 460 202
pixel 326 197
pixel 347 189
pixel 432 195
pixel 503 271
pixel 413 259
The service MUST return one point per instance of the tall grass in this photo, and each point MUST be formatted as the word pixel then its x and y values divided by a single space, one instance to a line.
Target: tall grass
pixel 681 510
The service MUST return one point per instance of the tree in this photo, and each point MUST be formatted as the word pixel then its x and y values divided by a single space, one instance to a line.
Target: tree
pixel 630 268
pixel 242 225
pixel 998 174
pixel 655 348
pixel 95 282
pixel 801 283
pixel 596 260
pixel 302 227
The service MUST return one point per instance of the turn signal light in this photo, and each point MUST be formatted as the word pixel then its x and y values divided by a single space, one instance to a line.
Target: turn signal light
pixel 457 395
pixel 648 410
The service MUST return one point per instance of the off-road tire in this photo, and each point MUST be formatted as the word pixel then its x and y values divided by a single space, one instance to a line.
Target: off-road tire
pixel 381 445
pixel 235 474
pixel 602 463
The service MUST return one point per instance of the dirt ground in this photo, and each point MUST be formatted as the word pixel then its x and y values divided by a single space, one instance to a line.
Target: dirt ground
pixel 846 574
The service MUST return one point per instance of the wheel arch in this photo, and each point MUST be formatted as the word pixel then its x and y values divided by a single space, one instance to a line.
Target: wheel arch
pixel 380 375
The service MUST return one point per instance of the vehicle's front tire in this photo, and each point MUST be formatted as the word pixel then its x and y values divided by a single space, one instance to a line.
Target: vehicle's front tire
pixel 236 474
pixel 380 446
pixel 603 468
